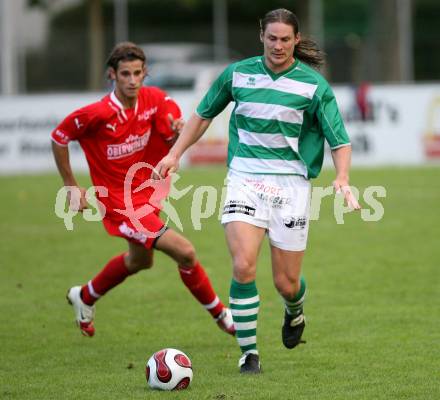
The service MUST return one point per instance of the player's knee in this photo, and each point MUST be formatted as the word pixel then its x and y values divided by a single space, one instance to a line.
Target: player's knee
pixel 135 265
pixel 242 263
pixel 287 288
pixel 187 255
pixel 244 269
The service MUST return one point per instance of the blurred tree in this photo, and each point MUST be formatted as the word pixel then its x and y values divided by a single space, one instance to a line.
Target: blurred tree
pixel 346 32
pixel 38 3
pixel 384 38
pixel 95 35
pixel 426 40
pixel 359 36
pixel 96 46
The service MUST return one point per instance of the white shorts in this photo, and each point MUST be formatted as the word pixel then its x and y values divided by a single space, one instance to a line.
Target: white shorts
pixel 278 203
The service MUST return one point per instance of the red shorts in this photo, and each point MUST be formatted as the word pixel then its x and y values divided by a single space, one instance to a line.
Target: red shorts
pixel 145 230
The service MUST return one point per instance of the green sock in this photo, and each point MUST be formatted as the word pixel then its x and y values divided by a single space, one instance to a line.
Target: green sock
pixel 244 303
pixel 295 306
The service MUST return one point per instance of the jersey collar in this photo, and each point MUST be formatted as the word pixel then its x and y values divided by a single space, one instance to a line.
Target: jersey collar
pixel 120 107
pixel 274 75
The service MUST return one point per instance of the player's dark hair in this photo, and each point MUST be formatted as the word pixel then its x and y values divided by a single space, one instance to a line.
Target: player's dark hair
pixel 125 51
pixel 307 50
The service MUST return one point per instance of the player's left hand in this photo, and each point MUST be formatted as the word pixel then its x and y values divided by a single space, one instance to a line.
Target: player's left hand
pixel 342 186
pixel 176 123
pixel 168 165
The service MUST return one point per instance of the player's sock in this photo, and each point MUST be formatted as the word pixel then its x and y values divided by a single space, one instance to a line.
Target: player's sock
pixel 294 306
pixel 111 275
pixel 244 303
pixel 198 283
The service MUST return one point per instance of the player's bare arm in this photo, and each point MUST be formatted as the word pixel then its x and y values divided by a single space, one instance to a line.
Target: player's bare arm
pixel 61 155
pixel 342 160
pixel 192 131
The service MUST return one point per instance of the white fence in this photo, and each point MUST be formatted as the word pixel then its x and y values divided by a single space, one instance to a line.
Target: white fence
pixel 400 126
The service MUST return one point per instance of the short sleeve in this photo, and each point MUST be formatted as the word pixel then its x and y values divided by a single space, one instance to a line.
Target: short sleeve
pixel 331 123
pixel 218 96
pixel 74 126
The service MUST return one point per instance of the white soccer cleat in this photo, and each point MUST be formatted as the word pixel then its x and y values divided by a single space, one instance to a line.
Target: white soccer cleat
pixel 84 313
pixel 225 321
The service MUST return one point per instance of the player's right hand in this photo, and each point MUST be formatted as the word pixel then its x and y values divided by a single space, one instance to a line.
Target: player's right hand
pixel 76 196
pixel 168 165
pixel 176 124
pixel 344 188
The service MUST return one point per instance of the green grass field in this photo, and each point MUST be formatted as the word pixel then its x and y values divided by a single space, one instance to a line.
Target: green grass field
pixel 373 306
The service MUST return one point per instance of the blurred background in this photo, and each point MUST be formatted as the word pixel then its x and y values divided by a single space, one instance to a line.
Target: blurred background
pixel 383 58
pixel 53 45
pixel 374 304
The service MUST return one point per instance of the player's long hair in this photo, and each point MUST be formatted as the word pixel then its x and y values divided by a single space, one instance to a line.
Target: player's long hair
pixel 125 51
pixel 307 50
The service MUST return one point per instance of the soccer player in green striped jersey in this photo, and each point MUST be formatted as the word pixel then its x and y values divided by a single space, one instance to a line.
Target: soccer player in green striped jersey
pixel 284 111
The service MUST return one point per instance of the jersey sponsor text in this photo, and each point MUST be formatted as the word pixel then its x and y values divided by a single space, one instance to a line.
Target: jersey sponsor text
pixel 132 144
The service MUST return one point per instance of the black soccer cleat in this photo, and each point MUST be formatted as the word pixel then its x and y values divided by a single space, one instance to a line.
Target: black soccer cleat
pixel 292 330
pixel 250 364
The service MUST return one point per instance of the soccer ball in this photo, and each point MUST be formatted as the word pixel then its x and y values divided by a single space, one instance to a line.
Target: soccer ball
pixel 169 369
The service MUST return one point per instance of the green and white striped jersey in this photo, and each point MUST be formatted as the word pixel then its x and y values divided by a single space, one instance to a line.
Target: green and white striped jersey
pixel 279 121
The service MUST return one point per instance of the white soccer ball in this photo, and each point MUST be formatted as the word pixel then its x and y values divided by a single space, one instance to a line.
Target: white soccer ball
pixel 169 369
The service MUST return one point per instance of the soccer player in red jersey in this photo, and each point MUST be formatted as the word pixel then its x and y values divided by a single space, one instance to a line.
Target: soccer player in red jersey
pixel 121 135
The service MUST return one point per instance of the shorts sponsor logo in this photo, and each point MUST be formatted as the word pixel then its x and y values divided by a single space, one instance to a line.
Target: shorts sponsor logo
pixel 262 187
pixel 236 207
pixel 271 194
pixel 132 234
pixel 275 201
pixel 295 222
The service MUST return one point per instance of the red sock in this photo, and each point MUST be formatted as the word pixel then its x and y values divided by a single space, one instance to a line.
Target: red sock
pixel 111 275
pixel 196 280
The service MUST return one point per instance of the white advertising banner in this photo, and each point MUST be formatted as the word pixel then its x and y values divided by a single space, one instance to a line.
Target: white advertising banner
pixel 387 124
pixel 392 124
pixel 26 123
